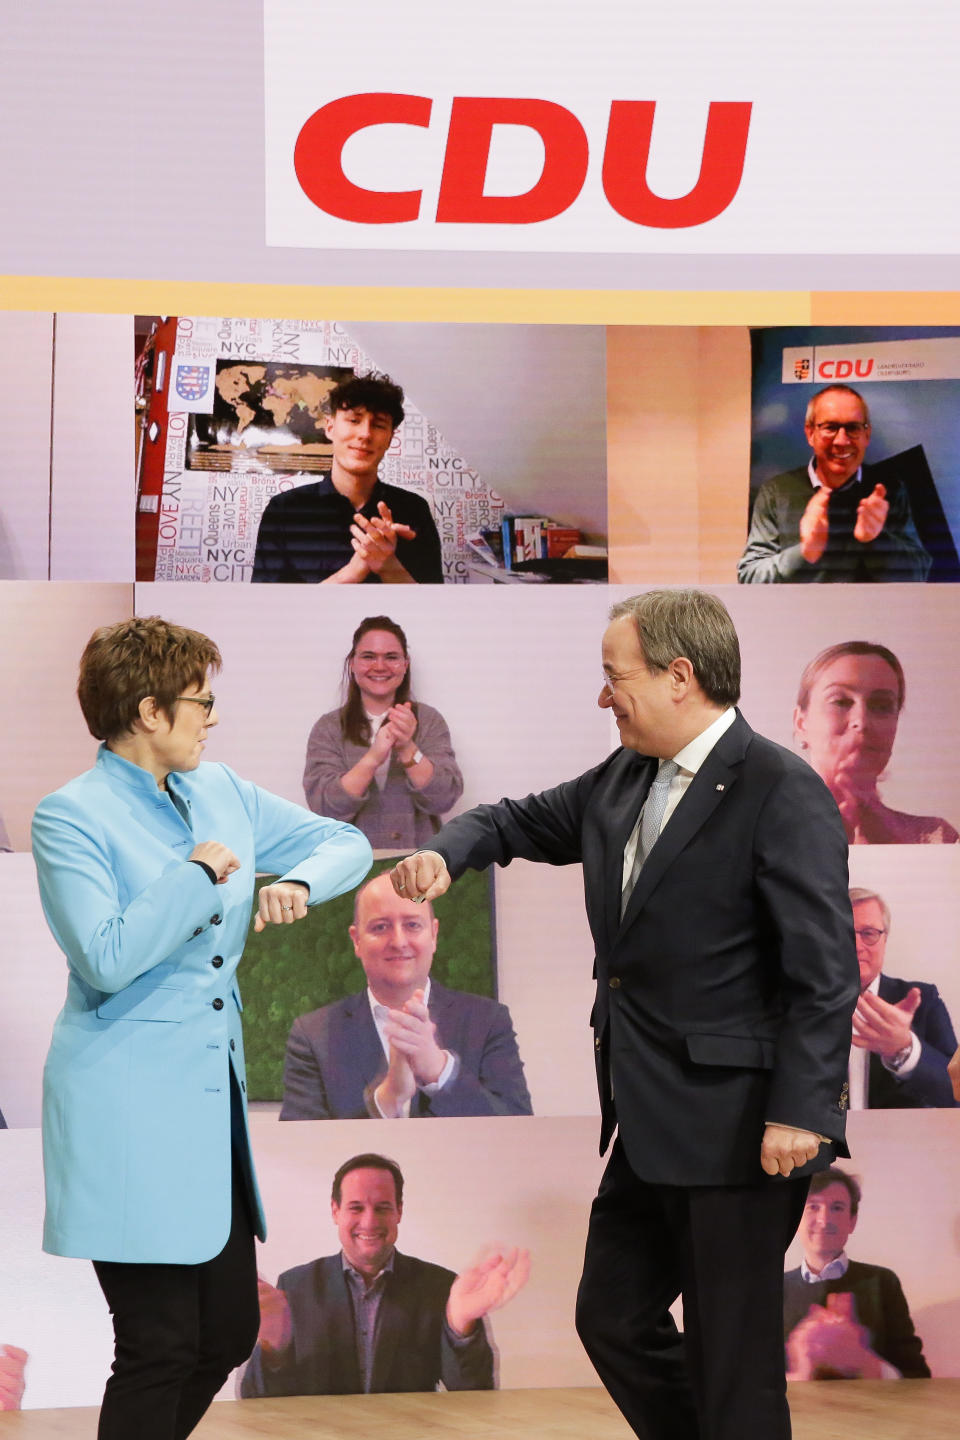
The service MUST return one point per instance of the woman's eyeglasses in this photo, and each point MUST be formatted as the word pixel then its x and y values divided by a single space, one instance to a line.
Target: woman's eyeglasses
pixel 207 701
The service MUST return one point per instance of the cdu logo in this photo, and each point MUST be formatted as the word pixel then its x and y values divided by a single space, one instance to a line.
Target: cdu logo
pixel 192 381
pixel 463 198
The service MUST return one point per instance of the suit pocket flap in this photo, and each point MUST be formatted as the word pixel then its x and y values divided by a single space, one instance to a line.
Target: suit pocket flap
pixel 747 1052
pixel 143 1000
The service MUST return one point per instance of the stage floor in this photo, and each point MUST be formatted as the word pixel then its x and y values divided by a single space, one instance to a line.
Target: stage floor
pixel 842 1410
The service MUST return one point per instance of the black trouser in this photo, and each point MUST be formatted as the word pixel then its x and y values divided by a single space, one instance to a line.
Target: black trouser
pixel 180 1330
pixel 722 1248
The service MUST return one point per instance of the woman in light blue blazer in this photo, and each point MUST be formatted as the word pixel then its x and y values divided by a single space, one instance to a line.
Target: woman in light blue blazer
pixel 146 866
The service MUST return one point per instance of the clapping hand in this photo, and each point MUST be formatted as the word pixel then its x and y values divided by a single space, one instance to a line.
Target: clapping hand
pixel 872 515
pixel 276 1324
pixel 815 526
pixel 374 538
pixel 412 1032
pixel 486 1286
pixel 882 1027
pixel 830 1338
pixel 13 1363
pixel 398 1086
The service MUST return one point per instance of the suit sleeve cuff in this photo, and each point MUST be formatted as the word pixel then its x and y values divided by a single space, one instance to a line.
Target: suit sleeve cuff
pixel 909 1062
pixel 447 1073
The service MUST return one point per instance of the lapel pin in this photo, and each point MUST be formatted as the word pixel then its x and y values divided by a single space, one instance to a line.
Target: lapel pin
pixel 719 787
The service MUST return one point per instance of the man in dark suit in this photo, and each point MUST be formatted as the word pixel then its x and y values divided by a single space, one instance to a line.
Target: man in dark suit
pixel 370 1320
pixel 902 1035
pixel 405 1046
pixel 726 977
pixel 843 1320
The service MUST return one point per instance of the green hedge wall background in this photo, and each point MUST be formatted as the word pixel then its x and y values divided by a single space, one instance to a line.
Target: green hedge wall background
pixel 290 969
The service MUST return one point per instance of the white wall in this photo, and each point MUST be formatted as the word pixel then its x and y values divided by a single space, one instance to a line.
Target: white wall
pixel 525 404
pixel 26 380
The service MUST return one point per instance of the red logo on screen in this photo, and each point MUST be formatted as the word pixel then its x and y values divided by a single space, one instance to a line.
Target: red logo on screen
pixel 843 369
pixel 318 155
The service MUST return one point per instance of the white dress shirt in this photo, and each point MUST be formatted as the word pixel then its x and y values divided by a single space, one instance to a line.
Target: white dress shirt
pixel 817 483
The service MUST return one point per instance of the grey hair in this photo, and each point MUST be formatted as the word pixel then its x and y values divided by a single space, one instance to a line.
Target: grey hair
pixel 838 390
pixel 692 624
pixel 859 893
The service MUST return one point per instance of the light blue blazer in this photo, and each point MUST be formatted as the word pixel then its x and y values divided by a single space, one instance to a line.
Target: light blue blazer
pixel 136 1105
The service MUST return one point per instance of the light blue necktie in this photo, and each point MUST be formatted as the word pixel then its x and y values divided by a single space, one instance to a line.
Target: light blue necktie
pixel 651 820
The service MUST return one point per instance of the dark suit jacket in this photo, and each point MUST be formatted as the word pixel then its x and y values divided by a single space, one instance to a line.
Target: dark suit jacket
pixel 414 1350
pixel 928 1084
pixel 335 1060
pixel 724 996
pixel 880 1305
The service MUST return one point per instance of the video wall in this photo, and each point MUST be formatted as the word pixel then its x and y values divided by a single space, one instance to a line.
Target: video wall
pixel 654 446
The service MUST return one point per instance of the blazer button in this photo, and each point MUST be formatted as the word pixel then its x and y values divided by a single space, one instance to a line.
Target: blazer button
pixel 614 982
pixel 596 1042
pixel 233 1044
pixel 214 920
pixel 217 961
pixel 217 1004
pixel 198 931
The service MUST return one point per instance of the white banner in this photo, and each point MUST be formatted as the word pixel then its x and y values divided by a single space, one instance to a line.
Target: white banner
pixel 933 359
pixel 691 128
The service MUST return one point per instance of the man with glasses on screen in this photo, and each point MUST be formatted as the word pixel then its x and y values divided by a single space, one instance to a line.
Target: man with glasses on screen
pixel 902 1035
pixel 825 521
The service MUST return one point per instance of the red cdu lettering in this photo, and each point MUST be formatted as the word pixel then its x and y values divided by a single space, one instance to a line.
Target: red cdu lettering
pixel 627 155
pixel 863 368
pixel 826 369
pixel 472 120
pixel 318 156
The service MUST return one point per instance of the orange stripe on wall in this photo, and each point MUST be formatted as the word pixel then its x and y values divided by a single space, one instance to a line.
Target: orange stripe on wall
pixel 397 303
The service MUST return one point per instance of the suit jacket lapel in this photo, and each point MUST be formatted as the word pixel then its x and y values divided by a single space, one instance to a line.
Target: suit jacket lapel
pixel 338 1326
pixel 392 1322
pixel 440 1015
pixel 368 1057
pixel 707 790
pixel 625 806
